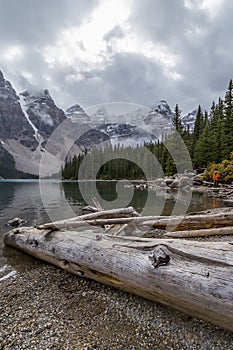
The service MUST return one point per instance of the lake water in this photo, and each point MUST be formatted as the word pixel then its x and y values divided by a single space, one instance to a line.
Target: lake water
pixel 53 200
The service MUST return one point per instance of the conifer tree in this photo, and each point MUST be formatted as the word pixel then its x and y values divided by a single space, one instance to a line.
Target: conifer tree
pixel 228 120
pixel 176 121
pixel 198 129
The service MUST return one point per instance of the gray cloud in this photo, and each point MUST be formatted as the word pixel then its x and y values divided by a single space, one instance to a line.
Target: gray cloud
pixel 128 78
pixel 38 22
pixel 201 43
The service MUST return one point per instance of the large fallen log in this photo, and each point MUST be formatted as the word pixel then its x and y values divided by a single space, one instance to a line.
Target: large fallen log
pixel 193 277
pixel 220 231
pixel 187 222
pixel 125 216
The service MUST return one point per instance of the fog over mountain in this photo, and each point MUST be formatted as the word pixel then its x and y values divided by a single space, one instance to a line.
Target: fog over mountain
pixel 32 126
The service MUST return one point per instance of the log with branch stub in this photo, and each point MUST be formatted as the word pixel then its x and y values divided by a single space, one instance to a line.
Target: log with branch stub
pixel 127 215
pixel 187 222
pixel 106 214
pixel 193 277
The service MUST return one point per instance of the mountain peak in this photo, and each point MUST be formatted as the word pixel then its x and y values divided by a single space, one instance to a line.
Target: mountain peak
pixel 74 109
pixel 77 114
pixel 162 108
pixel 34 94
pixel 42 111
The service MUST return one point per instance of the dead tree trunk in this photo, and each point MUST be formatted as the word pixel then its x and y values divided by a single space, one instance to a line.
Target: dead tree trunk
pixel 193 277
pixel 220 231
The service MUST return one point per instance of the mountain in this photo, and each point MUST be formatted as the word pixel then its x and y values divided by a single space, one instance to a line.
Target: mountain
pixel 13 125
pixel 189 120
pixel 7 166
pixel 109 123
pixel 41 112
pixel 27 122
pixel 34 128
pixel 77 115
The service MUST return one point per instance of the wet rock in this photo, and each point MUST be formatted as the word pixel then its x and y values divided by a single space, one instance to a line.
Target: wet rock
pixel 16 222
pixel 89 209
pixel 181 182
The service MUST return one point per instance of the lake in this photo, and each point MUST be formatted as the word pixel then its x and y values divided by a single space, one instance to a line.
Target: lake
pixel 55 200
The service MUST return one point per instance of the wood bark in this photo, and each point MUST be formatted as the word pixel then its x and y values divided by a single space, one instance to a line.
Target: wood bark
pixel 193 277
pixel 113 213
pixel 220 231
pixel 171 223
pixel 176 223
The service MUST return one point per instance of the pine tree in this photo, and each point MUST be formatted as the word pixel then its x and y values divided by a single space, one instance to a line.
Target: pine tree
pixel 228 120
pixel 176 121
pixel 198 129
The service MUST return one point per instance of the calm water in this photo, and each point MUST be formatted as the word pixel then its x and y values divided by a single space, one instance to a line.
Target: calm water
pixel 40 203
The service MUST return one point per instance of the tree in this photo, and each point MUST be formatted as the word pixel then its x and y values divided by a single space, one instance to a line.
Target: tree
pixel 228 120
pixel 198 129
pixel 176 121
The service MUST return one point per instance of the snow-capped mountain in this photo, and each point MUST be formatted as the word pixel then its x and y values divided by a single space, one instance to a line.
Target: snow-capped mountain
pixel 189 120
pixel 32 127
pixel 77 115
pixel 42 111
pixel 27 122
pixel 13 124
pixel 162 108
pixel 129 128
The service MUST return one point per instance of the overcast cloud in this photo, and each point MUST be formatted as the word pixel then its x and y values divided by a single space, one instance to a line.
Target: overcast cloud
pixel 96 51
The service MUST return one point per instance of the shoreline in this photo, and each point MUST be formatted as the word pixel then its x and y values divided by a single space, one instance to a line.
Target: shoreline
pixel 44 307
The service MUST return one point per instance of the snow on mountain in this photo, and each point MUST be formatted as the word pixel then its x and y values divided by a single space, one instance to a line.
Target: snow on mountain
pixel 42 111
pixel 132 128
pixel 28 122
pixel 189 120
pixel 77 115
pixel 26 125
pixel 162 108
pixel 13 124
pixel 153 123
pixel 23 105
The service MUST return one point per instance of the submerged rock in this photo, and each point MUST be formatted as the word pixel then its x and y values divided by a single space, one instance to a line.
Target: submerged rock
pixel 16 222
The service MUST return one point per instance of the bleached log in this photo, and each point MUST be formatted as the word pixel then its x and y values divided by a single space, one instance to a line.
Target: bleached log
pixel 127 215
pixel 113 213
pixel 220 231
pixel 188 222
pixel 193 277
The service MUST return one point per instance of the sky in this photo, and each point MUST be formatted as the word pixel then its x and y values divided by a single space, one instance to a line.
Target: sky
pixel 138 51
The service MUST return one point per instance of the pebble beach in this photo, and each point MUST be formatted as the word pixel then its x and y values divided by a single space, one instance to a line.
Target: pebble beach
pixel 44 307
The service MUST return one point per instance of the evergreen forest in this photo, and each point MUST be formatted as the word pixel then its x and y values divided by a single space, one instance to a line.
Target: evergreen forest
pixel 210 145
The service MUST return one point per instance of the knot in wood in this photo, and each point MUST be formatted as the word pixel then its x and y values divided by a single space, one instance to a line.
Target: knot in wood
pixel 159 257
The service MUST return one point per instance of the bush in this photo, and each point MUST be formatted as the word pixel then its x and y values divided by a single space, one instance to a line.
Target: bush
pixel 225 168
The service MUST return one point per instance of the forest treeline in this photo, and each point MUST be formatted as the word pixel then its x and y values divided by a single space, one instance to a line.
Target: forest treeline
pixel 209 145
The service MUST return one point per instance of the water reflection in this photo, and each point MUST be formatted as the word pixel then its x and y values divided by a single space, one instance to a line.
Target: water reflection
pixel 108 194
pixel 62 200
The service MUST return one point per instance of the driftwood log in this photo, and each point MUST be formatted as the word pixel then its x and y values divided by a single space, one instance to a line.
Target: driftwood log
pixel 129 212
pixel 220 231
pixel 188 222
pixel 193 277
pixel 129 215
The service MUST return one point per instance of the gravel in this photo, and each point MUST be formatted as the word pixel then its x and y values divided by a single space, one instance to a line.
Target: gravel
pixel 44 307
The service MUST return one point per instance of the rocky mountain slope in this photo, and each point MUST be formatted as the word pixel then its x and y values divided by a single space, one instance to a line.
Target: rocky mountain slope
pixel 130 128
pixel 13 123
pixel 28 119
pixel 27 122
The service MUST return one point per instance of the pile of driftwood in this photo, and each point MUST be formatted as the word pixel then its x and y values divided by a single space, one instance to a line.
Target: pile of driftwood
pixel 195 277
